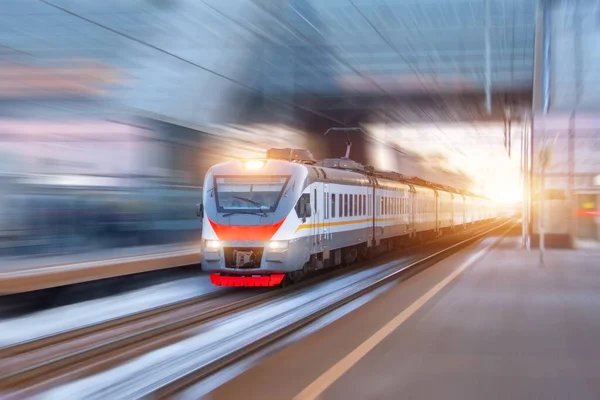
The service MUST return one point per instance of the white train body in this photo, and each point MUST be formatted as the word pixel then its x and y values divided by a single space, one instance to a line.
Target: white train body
pixel 264 220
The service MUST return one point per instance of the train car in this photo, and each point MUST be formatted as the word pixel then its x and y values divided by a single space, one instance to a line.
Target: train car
pixel 274 220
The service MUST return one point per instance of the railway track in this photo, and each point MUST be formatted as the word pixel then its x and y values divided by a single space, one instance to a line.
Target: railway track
pixel 95 347
pixel 35 366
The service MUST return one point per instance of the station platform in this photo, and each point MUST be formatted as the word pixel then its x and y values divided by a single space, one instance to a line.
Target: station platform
pixel 18 274
pixel 488 322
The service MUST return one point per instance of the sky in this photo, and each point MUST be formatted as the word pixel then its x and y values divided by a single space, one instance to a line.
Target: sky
pixel 474 150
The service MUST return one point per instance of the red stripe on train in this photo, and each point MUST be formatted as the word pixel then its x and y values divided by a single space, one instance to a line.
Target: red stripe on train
pixel 236 232
pixel 247 281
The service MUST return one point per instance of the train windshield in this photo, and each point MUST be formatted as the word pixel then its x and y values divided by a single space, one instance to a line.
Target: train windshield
pixel 249 193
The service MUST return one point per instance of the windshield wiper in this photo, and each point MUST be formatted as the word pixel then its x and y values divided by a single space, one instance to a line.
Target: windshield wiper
pixel 256 203
pixel 261 213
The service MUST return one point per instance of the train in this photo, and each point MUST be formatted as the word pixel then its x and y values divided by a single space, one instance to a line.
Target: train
pixel 275 220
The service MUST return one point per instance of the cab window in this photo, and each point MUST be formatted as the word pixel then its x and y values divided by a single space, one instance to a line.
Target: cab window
pixel 300 205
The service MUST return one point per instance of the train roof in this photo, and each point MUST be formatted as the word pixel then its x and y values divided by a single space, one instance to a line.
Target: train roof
pixel 303 156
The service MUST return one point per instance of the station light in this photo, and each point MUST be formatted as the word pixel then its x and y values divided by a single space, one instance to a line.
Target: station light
pixel 254 164
pixel 278 245
pixel 212 244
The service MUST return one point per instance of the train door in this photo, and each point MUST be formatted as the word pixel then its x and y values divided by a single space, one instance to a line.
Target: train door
pixel 317 222
pixel 410 205
pixel 326 225
pixel 371 212
pixel 378 219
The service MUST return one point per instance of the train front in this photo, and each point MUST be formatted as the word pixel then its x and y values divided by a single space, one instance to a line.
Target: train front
pixel 250 217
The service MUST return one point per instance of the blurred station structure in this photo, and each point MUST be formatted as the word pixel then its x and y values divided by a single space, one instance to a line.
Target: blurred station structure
pixel 116 109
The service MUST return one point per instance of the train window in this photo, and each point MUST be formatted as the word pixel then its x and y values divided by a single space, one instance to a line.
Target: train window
pixel 332 205
pixel 364 196
pixel 326 205
pixel 359 204
pixel 364 203
pixel 351 206
pixel 315 202
pixel 345 205
pixel 355 205
pixel 300 205
pixel 341 201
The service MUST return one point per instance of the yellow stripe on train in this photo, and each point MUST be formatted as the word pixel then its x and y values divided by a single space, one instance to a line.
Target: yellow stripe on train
pixel 341 223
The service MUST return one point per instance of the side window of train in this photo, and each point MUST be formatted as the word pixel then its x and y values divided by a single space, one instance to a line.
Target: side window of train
pixel 351 206
pixel 303 202
pixel 332 205
pixel 364 197
pixel 360 204
pixel 345 205
pixel 341 208
pixel 315 205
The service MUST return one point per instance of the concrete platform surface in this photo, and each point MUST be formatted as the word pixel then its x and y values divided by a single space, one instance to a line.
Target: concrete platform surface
pixel 504 328
pixel 25 274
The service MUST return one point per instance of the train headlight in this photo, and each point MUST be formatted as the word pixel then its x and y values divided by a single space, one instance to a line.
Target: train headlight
pixel 254 164
pixel 278 245
pixel 212 244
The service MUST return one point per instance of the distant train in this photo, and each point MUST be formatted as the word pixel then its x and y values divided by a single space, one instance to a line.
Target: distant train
pixel 272 221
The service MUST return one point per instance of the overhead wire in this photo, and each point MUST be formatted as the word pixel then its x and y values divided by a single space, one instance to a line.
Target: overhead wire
pixel 182 59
